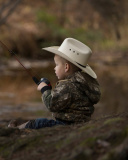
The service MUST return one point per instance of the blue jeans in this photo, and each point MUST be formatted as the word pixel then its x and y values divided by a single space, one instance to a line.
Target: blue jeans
pixel 42 122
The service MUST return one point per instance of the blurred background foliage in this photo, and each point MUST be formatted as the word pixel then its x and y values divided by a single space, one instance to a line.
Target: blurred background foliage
pixel 26 26
pixel 101 24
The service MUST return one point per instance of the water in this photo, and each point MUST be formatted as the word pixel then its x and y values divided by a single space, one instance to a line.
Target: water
pixel 18 93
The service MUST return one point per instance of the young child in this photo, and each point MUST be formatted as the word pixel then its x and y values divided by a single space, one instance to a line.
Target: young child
pixel 73 98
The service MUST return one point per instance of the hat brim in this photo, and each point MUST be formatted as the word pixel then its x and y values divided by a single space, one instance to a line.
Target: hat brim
pixel 87 68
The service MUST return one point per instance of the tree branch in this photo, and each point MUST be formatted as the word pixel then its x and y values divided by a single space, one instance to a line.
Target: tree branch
pixel 11 5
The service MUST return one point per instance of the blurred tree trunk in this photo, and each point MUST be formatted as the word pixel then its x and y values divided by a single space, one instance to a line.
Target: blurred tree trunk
pixel 112 11
pixel 6 9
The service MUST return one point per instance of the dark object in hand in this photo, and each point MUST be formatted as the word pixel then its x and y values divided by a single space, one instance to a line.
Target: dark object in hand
pixel 45 80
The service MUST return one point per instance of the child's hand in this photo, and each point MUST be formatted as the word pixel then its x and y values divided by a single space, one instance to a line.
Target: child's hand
pixel 44 82
pixel 41 85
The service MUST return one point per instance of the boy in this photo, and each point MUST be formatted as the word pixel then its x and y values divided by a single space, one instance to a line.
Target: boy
pixel 76 91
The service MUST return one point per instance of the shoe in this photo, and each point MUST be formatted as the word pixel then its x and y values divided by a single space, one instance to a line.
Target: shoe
pixel 12 124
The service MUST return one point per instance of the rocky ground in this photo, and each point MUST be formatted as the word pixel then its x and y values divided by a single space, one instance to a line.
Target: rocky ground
pixel 99 139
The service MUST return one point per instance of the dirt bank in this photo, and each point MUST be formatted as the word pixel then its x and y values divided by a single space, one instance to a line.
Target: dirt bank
pixel 101 139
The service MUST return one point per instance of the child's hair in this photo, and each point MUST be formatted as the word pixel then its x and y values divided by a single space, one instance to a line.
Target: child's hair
pixel 73 67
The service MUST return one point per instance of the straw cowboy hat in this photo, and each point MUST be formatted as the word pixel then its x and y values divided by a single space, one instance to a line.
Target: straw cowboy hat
pixel 75 52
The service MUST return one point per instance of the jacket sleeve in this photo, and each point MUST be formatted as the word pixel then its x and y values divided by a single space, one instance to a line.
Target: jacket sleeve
pixel 46 98
pixel 59 100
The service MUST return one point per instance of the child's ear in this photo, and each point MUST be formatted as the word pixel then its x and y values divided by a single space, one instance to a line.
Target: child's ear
pixel 67 67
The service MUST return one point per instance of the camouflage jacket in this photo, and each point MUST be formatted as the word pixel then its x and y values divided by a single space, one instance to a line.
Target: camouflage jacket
pixel 72 99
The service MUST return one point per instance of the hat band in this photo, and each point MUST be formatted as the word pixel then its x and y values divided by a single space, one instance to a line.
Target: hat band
pixel 81 65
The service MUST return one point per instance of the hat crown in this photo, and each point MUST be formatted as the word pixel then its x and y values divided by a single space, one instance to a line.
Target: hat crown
pixel 75 50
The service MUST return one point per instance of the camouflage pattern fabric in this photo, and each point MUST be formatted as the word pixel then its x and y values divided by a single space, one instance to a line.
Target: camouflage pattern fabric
pixel 72 99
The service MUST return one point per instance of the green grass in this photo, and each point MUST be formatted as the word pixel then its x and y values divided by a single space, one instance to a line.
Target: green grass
pixel 113 120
